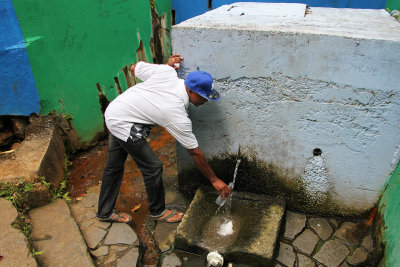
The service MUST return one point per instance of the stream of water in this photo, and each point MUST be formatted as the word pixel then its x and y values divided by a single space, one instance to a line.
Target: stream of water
pixel 226 204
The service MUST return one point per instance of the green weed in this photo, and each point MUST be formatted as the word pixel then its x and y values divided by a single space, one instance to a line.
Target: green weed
pixel 43 181
pixel 17 194
pixel 36 253
pixel 60 191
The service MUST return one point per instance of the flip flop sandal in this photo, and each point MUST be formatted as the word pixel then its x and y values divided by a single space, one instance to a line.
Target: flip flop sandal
pixel 165 219
pixel 118 218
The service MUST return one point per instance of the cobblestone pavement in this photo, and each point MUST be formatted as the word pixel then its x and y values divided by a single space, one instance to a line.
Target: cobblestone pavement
pixel 319 241
pixel 110 244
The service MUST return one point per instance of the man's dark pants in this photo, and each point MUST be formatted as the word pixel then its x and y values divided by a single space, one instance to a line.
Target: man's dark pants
pixel 148 163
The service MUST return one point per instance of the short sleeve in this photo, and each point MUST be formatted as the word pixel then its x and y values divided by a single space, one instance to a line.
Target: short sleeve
pixel 144 71
pixel 183 134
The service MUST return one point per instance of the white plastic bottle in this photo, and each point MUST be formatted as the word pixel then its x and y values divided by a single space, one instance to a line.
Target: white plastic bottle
pixel 221 201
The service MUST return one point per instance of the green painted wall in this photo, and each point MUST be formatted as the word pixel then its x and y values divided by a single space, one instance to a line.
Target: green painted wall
pixel 393 4
pixel 389 207
pixel 72 45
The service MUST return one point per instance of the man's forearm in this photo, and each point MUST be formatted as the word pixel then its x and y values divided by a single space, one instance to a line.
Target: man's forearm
pixel 202 164
pixel 200 160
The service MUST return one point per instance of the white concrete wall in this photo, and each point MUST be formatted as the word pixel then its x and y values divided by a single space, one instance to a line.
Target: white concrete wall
pixel 292 82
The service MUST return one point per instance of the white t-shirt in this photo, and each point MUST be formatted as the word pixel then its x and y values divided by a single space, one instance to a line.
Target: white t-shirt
pixel 161 99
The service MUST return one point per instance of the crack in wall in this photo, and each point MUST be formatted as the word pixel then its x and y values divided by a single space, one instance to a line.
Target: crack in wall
pixel 102 98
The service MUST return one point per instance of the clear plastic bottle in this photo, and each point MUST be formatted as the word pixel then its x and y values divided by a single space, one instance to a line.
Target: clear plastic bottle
pixel 221 201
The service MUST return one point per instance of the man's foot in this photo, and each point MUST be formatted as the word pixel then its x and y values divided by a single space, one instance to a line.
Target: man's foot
pixel 170 216
pixel 120 217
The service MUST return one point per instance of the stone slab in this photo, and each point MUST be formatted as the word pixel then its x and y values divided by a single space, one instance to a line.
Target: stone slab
pixel 286 254
pixel 129 259
pixel 295 223
pixel 89 200
pixel 348 233
pixel 304 261
pixel 306 242
pixel 65 247
pixel 358 257
pixel 101 251
pixel 93 235
pixel 368 243
pixel 120 233
pixel 322 227
pixel 257 218
pixel 332 253
pixel 14 247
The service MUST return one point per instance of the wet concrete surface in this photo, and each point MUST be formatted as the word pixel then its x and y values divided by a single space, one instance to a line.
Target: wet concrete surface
pixel 86 171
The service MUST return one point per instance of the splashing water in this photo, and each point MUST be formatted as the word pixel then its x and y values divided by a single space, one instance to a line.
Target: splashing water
pixel 220 232
pixel 226 228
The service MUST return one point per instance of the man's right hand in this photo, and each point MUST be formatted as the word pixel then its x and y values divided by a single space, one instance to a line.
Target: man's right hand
pixel 223 189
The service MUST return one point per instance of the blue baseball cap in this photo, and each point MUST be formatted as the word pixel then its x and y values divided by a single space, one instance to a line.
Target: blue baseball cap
pixel 201 83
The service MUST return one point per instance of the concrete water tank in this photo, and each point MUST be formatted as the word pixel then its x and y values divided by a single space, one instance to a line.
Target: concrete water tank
pixel 294 80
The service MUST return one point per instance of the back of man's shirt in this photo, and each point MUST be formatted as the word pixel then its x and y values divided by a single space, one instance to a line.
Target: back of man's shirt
pixel 161 99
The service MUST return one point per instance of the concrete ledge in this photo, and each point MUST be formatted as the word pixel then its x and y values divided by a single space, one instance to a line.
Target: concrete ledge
pixel 256 223
pixel 41 154
pixel 14 247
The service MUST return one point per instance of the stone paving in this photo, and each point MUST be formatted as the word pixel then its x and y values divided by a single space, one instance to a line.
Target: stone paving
pixel 116 244
pixel 110 244
pixel 317 241
pixel 304 241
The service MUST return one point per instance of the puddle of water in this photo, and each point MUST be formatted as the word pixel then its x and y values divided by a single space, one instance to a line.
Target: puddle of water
pixel 220 232
pixel 87 170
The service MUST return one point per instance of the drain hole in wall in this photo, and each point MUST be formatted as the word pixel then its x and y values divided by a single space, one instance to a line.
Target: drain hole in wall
pixel 317 152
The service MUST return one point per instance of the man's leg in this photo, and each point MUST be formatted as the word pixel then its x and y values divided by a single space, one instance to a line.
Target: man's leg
pixel 112 178
pixel 152 169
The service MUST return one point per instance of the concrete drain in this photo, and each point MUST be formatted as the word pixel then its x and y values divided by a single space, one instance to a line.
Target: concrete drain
pixel 256 223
